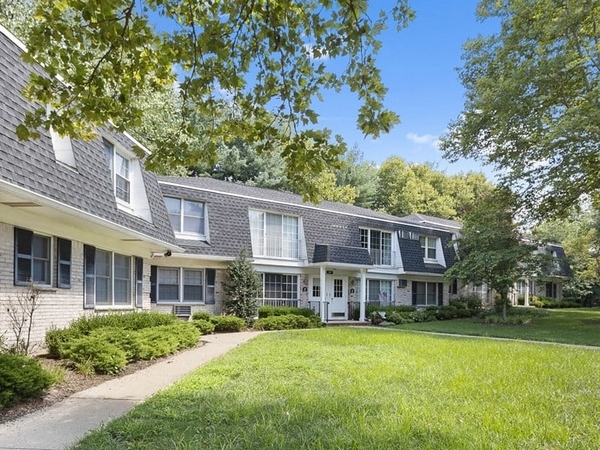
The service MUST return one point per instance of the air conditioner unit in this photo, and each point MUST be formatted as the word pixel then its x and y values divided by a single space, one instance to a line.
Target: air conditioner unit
pixel 182 311
pixel 402 283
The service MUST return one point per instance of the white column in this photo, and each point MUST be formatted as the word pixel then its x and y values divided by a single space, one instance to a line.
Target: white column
pixel 363 295
pixel 526 302
pixel 322 289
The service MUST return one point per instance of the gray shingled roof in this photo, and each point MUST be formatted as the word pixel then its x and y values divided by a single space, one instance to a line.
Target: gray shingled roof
pixel 563 264
pixel 32 164
pixel 339 254
pixel 328 227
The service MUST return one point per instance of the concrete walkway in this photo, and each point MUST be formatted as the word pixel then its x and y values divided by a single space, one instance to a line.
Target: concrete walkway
pixel 66 422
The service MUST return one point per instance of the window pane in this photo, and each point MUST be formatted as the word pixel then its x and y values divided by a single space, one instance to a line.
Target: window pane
pixel 64 274
pixel 102 291
pixel 102 263
pixel 194 209
pixel 168 284
pixel 373 290
pixel 274 235
pixel 193 225
pixel 192 277
pixel 40 247
pixel 174 209
pixel 122 288
pixel 431 293
pixel 257 232
pixel 41 271
pixel 122 166
pixel 122 190
pixel 386 252
pixel 192 293
pixel 122 267
pixel 364 238
pixel 168 276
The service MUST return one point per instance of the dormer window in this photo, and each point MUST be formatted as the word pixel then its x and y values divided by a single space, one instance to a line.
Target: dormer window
pixel 119 170
pixel 187 217
pixel 428 247
pixel 379 244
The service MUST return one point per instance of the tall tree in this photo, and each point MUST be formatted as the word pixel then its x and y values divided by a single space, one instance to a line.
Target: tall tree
pixel 360 174
pixel 490 247
pixel 532 105
pixel 404 189
pixel 271 59
pixel 241 288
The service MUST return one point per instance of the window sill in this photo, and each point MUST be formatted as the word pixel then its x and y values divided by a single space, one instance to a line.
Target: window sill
pixel 114 307
pixel 175 303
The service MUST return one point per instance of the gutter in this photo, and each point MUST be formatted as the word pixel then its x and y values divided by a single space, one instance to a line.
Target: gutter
pixel 67 209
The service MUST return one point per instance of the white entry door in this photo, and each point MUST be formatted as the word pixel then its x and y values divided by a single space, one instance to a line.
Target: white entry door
pixel 336 293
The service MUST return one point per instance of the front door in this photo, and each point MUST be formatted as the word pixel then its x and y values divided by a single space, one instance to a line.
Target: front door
pixel 336 293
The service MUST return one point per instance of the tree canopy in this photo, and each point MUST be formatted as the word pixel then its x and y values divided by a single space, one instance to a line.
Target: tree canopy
pixel 490 247
pixel 264 63
pixel 532 104
pixel 404 189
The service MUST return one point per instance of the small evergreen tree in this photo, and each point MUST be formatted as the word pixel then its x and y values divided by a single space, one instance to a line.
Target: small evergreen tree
pixel 241 289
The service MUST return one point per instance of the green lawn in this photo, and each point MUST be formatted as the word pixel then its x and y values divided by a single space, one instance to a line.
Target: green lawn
pixel 570 326
pixel 353 388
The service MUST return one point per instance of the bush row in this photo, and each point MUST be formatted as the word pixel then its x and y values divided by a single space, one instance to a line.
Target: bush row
pixel 550 303
pixel 109 349
pixel 21 378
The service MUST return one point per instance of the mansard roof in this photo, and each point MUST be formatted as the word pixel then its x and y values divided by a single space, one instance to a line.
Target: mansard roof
pixel 31 166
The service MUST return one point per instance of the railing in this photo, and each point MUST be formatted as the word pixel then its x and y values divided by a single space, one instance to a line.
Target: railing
pixel 279 302
pixel 379 259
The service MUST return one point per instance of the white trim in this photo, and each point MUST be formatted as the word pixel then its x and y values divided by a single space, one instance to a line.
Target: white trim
pixel 15 40
pixel 42 200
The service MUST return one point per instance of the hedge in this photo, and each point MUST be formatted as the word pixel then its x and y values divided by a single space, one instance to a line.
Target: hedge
pixel 21 378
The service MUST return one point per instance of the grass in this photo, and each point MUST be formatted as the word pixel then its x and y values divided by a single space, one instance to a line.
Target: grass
pixel 350 388
pixel 569 326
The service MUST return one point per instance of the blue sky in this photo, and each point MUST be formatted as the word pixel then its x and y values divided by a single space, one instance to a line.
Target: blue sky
pixel 419 67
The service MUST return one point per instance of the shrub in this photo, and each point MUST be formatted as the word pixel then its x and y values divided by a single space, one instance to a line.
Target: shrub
pixel 201 315
pixel 204 326
pixel 154 343
pixel 241 288
pixel 57 340
pixel 471 302
pixel 224 324
pixel 186 333
pixel 129 321
pixel 126 340
pixel 388 309
pixel 286 322
pixel 21 378
pixel 398 318
pixel 103 356
pixel 268 311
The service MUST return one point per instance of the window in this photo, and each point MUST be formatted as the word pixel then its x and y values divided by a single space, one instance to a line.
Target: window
pixel 316 287
pixel 280 290
pixel 180 285
pixel 274 235
pixel 187 217
pixel 453 287
pixel 428 246
pixel 338 288
pixel 139 282
pixel 32 258
pixel 427 293
pixel 379 244
pixel 379 292
pixel 107 278
pixel 119 170
pixel 551 290
pixel 63 263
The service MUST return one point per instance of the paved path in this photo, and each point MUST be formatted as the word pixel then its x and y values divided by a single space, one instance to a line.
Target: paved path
pixel 68 421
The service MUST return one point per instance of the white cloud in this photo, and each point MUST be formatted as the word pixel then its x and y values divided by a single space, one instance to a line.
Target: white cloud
pixel 424 139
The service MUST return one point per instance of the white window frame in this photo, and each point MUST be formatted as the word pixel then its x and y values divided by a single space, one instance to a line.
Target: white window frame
pixel 180 232
pixel 378 255
pixel 430 243
pixel 285 246
pixel 112 278
pixel 181 271
pixel 112 155
pixel 32 259
pixel 294 279
pixel 381 292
